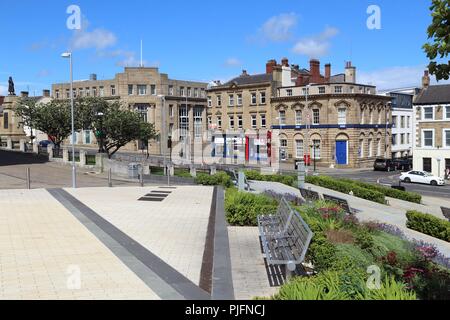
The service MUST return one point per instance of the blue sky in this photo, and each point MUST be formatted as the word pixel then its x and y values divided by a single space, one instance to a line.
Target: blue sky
pixel 211 40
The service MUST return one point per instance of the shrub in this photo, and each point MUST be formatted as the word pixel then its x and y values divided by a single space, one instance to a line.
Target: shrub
pixel 429 225
pixel 242 209
pixel 284 179
pixel 390 290
pixel 220 178
pixel 346 187
pixel 354 256
pixel 388 192
pixel 321 253
pixel 342 285
pixel 364 239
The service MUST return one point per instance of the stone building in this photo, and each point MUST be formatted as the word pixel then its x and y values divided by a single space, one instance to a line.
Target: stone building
pixel 332 120
pixel 402 121
pixel 432 128
pixel 10 126
pixel 146 91
pixel 240 110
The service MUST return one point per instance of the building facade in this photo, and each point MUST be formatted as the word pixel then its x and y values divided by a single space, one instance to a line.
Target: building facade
pixel 182 104
pixel 402 123
pixel 327 118
pixel 332 121
pixel 432 128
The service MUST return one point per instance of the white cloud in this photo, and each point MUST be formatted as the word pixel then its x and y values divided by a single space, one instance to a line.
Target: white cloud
pixel 98 39
pixel 232 62
pixel 278 28
pixel 316 46
pixel 396 77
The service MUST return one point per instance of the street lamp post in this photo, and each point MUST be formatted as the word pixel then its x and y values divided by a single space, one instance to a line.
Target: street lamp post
pixel 74 176
pixel 100 134
pixel 164 137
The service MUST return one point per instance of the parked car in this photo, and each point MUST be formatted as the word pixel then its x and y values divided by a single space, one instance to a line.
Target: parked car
pixel 421 177
pixel 404 164
pixel 384 165
pixel 46 143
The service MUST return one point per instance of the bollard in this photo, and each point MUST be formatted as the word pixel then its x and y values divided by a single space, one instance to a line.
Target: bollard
pixel 110 178
pixel 28 179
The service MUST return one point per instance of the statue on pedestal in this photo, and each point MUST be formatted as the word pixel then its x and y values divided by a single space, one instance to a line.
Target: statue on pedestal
pixel 11 89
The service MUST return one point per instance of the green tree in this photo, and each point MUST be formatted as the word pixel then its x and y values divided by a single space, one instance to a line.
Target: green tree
pixel 54 119
pixel 439 35
pixel 26 109
pixel 118 127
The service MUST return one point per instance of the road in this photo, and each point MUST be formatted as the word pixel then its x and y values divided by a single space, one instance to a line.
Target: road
pixel 13 167
pixel 390 178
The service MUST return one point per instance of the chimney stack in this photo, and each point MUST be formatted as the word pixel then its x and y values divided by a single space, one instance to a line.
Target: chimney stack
pixel 244 73
pixel 24 94
pixel 46 93
pixel 350 73
pixel 314 71
pixel 285 62
pixel 300 80
pixel 93 77
pixel 327 72
pixel 426 79
pixel 271 64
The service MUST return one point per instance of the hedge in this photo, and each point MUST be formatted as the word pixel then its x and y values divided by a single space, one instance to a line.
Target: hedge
pixel 388 192
pixel 221 178
pixel 284 179
pixel 242 209
pixel 428 224
pixel 346 187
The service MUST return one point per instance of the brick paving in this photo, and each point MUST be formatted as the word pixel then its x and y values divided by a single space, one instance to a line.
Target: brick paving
pixel 42 246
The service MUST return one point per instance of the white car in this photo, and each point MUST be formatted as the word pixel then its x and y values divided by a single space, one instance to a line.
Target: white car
pixel 421 177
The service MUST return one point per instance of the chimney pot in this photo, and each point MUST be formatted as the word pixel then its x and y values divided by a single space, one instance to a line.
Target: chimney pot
pixel 270 65
pixel 24 94
pixel 93 77
pixel 46 93
pixel 285 62
pixel 327 72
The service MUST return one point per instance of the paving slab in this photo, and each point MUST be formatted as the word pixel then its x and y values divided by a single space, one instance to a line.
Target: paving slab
pixel 45 250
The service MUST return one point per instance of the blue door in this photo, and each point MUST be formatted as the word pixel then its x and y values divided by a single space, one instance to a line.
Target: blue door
pixel 341 152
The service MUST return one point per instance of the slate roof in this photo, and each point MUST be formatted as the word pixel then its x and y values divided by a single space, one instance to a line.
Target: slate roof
pixel 250 79
pixel 434 95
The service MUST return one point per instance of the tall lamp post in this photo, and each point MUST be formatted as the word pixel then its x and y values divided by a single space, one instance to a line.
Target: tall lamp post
pixel 164 135
pixel 68 55
pixel 100 133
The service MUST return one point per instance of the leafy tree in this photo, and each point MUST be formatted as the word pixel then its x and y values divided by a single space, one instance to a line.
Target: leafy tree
pixel 54 119
pixel 26 109
pixel 118 127
pixel 439 33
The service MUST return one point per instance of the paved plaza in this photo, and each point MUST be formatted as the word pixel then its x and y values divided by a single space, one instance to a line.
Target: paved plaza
pixel 53 247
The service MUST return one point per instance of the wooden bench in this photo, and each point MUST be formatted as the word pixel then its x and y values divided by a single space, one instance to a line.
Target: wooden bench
pixel 341 203
pixel 285 238
pixel 309 195
pixel 446 212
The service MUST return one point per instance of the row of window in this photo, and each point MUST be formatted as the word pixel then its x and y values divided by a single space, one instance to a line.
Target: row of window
pixel 335 89
pixel 237 122
pixel 86 92
pixel 238 100
pixel 315 149
pixel 299 117
pixel 140 89
pixel 404 139
pixel 405 122
pixel 429 113
pixel 429 138
pixel 370 148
